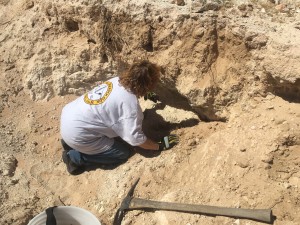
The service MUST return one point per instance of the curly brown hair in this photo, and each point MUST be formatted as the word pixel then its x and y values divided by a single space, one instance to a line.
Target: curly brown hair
pixel 140 78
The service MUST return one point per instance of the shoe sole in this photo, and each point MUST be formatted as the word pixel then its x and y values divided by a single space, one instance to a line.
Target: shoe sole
pixel 72 169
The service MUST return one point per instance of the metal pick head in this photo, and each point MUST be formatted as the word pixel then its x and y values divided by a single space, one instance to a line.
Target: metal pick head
pixel 124 205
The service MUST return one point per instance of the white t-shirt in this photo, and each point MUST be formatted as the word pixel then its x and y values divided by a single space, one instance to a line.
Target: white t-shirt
pixel 89 123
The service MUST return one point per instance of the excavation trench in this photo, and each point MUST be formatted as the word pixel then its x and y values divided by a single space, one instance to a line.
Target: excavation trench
pixel 203 59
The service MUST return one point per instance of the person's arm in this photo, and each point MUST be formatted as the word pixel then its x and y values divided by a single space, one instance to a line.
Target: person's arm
pixel 149 145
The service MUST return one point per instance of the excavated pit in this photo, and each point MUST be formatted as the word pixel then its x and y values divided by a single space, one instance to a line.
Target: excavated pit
pixel 233 66
pixel 205 61
pixel 287 90
pixel 202 58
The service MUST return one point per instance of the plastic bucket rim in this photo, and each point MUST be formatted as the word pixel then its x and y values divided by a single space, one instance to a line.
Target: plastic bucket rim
pixel 41 217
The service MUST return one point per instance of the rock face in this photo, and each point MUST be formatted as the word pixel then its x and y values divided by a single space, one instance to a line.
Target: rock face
pixel 210 60
pixel 234 64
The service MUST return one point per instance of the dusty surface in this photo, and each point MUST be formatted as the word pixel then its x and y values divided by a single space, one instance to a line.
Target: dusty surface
pixel 230 89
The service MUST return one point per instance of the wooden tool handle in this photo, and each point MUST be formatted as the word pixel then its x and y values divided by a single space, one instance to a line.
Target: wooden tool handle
pixel 263 215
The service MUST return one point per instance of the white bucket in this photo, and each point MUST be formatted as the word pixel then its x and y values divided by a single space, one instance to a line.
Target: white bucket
pixel 67 215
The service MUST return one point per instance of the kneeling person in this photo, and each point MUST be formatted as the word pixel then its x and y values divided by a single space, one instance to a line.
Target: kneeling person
pixel 91 124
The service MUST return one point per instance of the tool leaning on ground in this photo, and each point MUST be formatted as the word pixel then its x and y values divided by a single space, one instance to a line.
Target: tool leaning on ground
pixel 132 203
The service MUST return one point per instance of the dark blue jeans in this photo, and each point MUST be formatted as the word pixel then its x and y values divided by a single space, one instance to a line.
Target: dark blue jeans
pixel 118 153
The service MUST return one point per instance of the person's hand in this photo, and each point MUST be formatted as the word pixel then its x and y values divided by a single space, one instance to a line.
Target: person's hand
pixel 168 142
pixel 151 96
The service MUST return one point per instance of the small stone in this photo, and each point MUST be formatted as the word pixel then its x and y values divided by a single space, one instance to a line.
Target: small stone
pixel 180 2
pixel 295 181
pixel 268 166
pixel 192 142
pixel 198 33
pixel 237 222
pixel 242 164
pixel 268 159
pixel 279 121
pixel 286 185
pixel 102 209
pixel 5 172
pixel 14 181
pixel 242 7
pixel 280 7
pixel 270 96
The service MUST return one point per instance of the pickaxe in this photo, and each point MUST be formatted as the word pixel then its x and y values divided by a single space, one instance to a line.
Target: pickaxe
pixel 132 203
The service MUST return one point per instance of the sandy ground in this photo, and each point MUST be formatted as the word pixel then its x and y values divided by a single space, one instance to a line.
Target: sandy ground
pixel 244 153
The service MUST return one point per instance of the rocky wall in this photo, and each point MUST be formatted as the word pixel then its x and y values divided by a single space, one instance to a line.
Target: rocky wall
pixel 211 52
